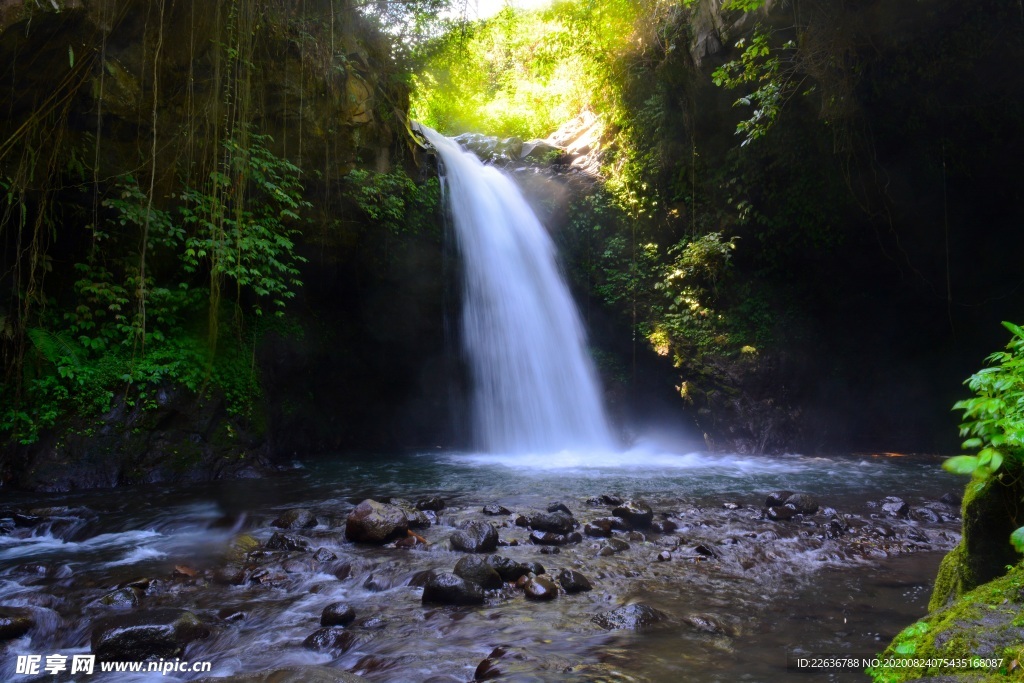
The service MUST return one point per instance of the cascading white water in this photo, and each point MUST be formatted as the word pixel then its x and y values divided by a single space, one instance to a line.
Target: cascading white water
pixel 534 386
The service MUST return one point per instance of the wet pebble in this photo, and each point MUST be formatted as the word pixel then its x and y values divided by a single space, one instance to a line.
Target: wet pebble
pixel 450 589
pixel 541 588
pixel 433 503
pixel 373 522
pixel 331 639
pixel 337 614
pixel 495 510
pixel 296 518
pixel 475 537
pixel 480 571
pixel 636 512
pixel 635 616
pixel 573 581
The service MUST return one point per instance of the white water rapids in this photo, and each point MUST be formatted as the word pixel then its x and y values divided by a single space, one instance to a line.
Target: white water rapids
pixel 534 386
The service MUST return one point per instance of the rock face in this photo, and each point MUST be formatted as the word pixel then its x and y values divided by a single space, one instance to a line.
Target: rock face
pixel 373 522
pixel 148 633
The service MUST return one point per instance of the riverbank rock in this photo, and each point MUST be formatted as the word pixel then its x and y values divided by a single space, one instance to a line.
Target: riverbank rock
pixel 635 616
pixel 636 512
pixel 777 498
pixel 433 503
pixel 288 542
pixel 495 510
pixel 137 636
pixel 479 571
pixel 337 614
pixel 15 622
pixel 475 537
pixel 447 588
pixel 373 522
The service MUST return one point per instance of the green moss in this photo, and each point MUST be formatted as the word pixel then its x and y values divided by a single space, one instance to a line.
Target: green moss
pixel 984 551
pixel 984 623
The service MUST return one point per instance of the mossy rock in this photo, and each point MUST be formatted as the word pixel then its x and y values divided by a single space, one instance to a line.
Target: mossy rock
pixel 986 623
pixel 984 551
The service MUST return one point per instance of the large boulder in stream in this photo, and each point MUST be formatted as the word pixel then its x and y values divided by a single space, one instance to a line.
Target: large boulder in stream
pixel 373 522
pixel 137 636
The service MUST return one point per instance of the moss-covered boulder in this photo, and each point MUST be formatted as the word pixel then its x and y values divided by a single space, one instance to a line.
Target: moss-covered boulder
pixel 979 637
pixel 984 551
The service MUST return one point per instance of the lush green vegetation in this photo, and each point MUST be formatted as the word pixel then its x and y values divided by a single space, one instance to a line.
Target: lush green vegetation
pixel 993 421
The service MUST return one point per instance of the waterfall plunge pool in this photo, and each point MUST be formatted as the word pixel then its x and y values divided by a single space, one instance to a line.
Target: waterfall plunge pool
pixel 739 593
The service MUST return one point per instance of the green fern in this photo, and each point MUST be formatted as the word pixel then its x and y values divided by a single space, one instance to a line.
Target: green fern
pixel 55 347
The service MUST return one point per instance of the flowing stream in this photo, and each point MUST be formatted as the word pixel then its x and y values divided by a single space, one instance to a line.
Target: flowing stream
pixel 534 386
pixel 740 591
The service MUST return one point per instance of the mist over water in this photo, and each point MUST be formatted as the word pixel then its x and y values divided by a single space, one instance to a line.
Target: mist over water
pixel 534 386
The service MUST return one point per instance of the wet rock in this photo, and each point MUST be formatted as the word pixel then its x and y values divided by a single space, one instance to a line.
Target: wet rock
pixel 419 579
pixel 636 536
pixel 732 506
pixel 507 568
pixel 612 546
pixel 597 530
pixel 140 635
pixel 478 570
pixel 925 515
pixel 281 541
pixel 434 504
pixel 296 518
pixel 895 507
pixel 706 623
pixel 704 550
pixel 122 597
pixel 547 538
pixel 777 498
pixel 506 663
pixel 664 526
pixel 25 521
pixel 559 507
pixel 15 622
pixel 376 584
pixel 781 513
pixel 373 522
pixel 416 519
pixel 804 503
pixel 337 614
pixel 535 568
pixel 333 640
pixel 374 623
pixel 541 588
pixel 229 575
pixel 231 614
pixel 555 522
pixel 953 499
pixel 522 521
pixel 324 555
pixel 447 588
pixel 636 512
pixel 475 537
pixel 241 547
pixel 495 510
pixel 269 576
pixel 550 550
pixel 664 556
pixel 635 616
pixel 574 582
pixel 343 572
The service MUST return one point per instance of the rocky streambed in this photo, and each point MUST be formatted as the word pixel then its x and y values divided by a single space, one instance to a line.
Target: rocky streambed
pixel 455 568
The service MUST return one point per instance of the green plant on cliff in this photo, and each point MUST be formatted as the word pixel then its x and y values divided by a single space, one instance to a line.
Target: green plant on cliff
pixel 993 419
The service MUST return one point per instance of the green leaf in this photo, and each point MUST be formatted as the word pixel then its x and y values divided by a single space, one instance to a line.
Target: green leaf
pixel 1017 539
pixel 961 464
pixel 71 61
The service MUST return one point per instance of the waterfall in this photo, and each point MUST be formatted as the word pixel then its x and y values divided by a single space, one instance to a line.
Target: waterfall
pixel 534 386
